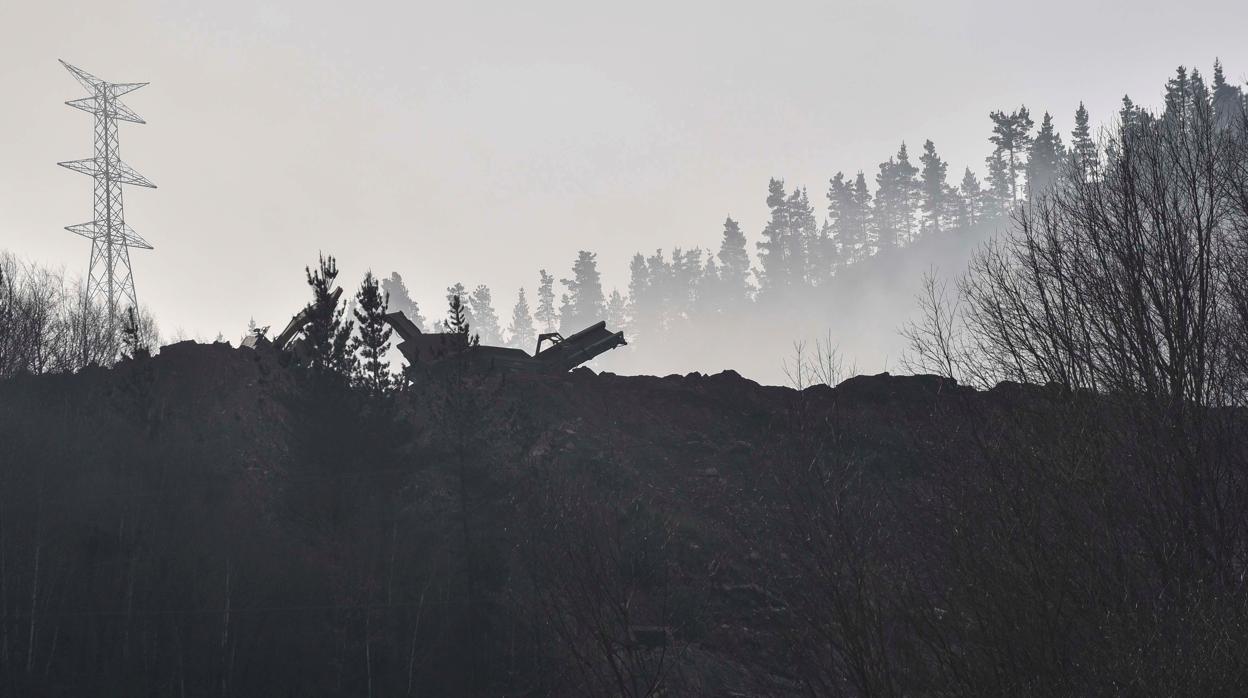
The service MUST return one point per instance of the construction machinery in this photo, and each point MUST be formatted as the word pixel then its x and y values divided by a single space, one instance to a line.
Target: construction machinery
pixel 283 340
pixel 562 354
pixel 438 350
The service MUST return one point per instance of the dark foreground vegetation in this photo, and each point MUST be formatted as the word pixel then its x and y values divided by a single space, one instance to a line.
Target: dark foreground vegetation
pixel 207 522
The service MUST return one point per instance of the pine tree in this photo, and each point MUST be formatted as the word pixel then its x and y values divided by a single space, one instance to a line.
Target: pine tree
pixel 328 335
pixel 734 265
pixel 373 340
pixel 481 310
pixel 1045 158
pixel 884 217
pixel 1178 98
pixel 998 201
pixel 840 222
pixel 971 199
pixel 707 292
pixel 546 316
pixel 521 333
pixel 1011 134
pixel 1200 103
pixel 660 291
pixel 1228 101
pixel 775 250
pixel 856 237
pixel 1082 147
pixel 639 291
pixel 804 238
pixel 584 304
pixel 401 299
pixel 934 188
pixel 458 291
pixel 907 183
pixel 1131 120
pixel 617 312
pixel 686 271
pixel 457 321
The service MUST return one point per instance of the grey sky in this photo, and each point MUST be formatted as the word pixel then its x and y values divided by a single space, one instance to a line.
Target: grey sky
pixel 477 142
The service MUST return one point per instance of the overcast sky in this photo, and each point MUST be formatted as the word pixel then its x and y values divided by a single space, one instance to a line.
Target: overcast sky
pixel 477 142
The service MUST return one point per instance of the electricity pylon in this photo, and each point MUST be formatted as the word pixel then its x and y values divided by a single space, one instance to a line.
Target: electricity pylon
pixel 109 276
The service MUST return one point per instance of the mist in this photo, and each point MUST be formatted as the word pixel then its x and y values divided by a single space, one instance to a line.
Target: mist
pixel 478 144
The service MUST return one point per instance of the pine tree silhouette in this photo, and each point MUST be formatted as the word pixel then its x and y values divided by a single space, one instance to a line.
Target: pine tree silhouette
pixel 327 333
pixel 1011 134
pixel 775 249
pixel 734 265
pixel 373 340
pixel 1228 100
pixel 1044 160
pixel 998 200
pixel 401 299
pixel 459 291
pixel 521 333
pixel 547 318
pixel 970 200
pixel 1082 147
pixel 584 303
pixel 457 321
pixel 804 238
pixel 617 312
pixel 481 310
pixel 934 188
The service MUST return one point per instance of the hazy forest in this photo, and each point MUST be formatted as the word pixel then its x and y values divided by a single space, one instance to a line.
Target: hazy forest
pixel 1054 503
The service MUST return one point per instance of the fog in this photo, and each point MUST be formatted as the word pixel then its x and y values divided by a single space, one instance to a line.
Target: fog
pixel 478 143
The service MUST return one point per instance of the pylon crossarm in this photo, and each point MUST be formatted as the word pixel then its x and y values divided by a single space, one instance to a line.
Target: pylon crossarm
pixel 133 239
pixel 86 166
pixel 126 175
pixel 87 230
pixel 87 80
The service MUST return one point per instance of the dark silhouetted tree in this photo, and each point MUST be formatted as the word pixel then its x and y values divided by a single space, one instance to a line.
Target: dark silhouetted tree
pixel 934 188
pixel 459 291
pixel 373 340
pixel 584 303
pixel 1044 160
pixel 1083 150
pixel 1011 135
pixel 457 320
pixel 895 199
pixel 970 200
pixel 327 332
pixel 997 200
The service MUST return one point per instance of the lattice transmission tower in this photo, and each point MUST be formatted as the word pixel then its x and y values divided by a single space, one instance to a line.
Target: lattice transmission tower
pixel 110 277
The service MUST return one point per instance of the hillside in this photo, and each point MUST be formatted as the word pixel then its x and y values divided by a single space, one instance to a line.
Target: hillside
pixel 209 522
